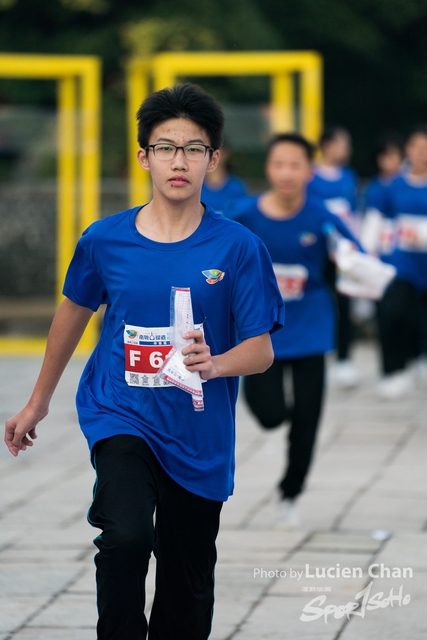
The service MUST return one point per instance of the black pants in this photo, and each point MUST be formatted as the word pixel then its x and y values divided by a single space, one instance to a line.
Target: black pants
pixel 399 322
pixel 265 396
pixel 345 329
pixel 130 485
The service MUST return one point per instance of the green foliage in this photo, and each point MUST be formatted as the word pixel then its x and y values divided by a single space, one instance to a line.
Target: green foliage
pixel 149 36
pixel 92 6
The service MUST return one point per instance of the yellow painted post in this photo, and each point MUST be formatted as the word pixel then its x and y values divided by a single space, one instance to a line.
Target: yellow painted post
pixel 311 98
pixel 66 70
pixel 66 199
pixel 137 90
pixel 90 152
pixel 163 76
pixel 282 116
pixel 90 166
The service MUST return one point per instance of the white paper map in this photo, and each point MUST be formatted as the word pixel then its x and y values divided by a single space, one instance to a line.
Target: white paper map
pixel 174 370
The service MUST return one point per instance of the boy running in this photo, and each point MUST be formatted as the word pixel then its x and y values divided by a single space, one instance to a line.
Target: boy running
pixel 335 183
pixel 151 450
pixel 295 230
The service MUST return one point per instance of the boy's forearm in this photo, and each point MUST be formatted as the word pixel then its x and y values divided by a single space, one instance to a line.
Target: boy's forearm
pixel 67 328
pixel 254 355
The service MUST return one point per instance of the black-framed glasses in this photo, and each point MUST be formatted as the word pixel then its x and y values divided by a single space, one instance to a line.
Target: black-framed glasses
pixel 166 151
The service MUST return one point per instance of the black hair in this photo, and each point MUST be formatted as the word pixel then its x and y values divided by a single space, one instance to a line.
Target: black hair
pixel 418 130
pixel 181 101
pixel 390 140
pixel 293 138
pixel 330 132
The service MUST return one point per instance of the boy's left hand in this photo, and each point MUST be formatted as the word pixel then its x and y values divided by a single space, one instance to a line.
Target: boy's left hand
pixel 198 355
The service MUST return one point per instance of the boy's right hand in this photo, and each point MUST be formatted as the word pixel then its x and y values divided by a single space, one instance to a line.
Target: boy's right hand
pixel 20 430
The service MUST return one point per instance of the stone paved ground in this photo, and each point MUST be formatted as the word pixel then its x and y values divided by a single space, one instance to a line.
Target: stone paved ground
pixel 369 476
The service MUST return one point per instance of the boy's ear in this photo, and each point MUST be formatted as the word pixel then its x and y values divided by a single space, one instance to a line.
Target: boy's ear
pixel 213 162
pixel 143 159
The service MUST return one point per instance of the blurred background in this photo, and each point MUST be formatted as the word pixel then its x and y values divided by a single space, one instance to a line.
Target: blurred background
pixel 375 56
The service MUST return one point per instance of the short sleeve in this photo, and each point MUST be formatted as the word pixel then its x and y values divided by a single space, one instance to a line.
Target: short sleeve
pixel 257 305
pixel 345 231
pixel 83 284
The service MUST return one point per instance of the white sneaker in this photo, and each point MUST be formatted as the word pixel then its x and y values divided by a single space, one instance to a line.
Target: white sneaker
pixel 396 385
pixel 345 375
pixel 287 514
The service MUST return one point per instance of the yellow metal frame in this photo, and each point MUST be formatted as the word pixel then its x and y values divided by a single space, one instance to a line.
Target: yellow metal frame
pixel 78 79
pixel 164 69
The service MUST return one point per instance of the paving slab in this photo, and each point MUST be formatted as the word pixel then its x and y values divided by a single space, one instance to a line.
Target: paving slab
pixel 276 618
pixel 394 513
pixel 406 550
pixel 236 594
pixel 368 473
pixel 66 610
pixel 16 609
pixel 341 542
pixel 56 634
pixel 29 580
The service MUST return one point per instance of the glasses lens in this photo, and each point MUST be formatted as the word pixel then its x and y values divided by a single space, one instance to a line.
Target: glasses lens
pixel 195 151
pixel 164 151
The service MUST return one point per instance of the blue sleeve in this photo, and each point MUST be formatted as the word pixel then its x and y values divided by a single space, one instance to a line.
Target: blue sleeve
pixel 342 229
pixel 83 284
pixel 257 305
pixel 376 196
pixel 372 199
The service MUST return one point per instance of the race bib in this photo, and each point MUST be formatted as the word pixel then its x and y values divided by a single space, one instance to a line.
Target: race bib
pixel 412 233
pixel 386 238
pixel 145 352
pixel 291 279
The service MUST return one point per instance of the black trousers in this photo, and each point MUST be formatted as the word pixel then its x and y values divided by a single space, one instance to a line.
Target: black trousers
pixel 130 486
pixel 265 396
pixel 345 329
pixel 399 326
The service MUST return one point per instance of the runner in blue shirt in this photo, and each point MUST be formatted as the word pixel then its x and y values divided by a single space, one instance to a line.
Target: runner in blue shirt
pixel 377 235
pixel 221 186
pixel 150 448
pixel 378 229
pixel 335 183
pixel 294 229
pixel 406 205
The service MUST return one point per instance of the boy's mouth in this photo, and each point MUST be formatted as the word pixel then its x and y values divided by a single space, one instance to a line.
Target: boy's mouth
pixel 179 181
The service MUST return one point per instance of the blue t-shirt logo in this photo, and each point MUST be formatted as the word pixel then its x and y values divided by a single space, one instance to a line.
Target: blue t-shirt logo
pixel 213 275
pixel 307 239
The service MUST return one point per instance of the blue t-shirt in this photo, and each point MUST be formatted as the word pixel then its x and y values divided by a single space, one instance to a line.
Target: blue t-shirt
pixel 219 198
pixel 233 291
pixel 406 204
pixel 337 191
pixel 298 249
pixel 375 193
